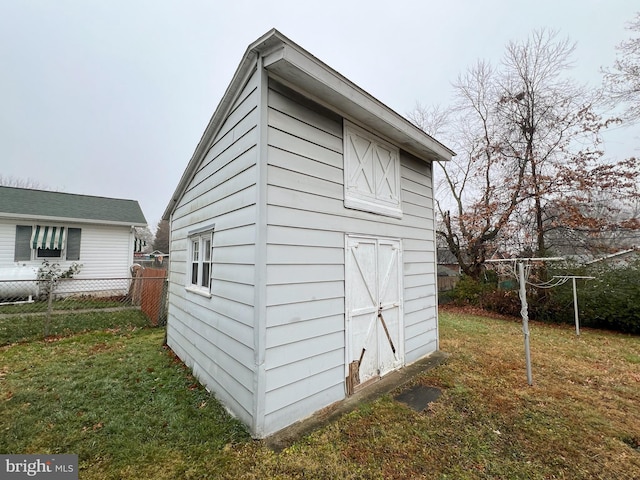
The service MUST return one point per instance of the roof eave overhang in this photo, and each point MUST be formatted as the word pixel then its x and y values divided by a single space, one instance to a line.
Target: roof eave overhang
pixel 48 218
pixel 298 68
pixel 290 63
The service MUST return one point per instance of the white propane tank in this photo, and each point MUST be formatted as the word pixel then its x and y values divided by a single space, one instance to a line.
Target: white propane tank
pixel 16 282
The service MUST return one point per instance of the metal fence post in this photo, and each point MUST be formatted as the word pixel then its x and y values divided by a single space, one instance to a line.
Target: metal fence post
pixel 47 322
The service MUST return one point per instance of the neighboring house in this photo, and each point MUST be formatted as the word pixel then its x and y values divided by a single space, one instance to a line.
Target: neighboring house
pixel 155 259
pixel 620 259
pixel 302 231
pixel 38 225
pixel 448 265
pixel 448 270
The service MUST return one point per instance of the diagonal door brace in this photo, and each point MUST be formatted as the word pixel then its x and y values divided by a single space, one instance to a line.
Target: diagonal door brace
pixel 386 331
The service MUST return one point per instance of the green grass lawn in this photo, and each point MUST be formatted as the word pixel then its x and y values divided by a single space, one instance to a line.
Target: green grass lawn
pixel 129 409
pixel 27 328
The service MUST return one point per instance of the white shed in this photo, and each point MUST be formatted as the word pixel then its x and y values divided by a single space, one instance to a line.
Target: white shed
pixel 302 241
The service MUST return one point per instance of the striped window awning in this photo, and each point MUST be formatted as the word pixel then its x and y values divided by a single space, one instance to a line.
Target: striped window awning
pixel 47 237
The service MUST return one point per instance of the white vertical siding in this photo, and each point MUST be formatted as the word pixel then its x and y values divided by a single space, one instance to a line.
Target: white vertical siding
pixel 305 258
pixel 214 335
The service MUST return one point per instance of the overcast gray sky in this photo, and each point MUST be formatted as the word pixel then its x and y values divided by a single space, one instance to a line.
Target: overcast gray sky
pixel 111 97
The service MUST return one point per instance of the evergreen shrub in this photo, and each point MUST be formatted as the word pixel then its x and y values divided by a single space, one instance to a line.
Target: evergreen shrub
pixel 610 301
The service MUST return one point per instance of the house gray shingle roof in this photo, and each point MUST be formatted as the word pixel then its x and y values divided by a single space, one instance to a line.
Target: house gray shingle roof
pixel 23 202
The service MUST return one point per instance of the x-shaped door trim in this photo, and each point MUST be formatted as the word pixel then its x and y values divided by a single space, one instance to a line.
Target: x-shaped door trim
pixel 362 162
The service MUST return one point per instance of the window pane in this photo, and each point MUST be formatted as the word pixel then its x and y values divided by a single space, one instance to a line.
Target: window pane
pixel 207 250
pixel 73 243
pixel 23 243
pixel 49 253
pixel 206 270
pixel 194 273
pixel 195 250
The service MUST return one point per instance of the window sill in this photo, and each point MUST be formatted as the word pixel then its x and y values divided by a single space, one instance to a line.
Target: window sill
pixel 390 210
pixel 199 291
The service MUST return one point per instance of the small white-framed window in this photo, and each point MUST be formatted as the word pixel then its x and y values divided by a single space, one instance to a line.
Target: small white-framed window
pixel 371 173
pixel 200 256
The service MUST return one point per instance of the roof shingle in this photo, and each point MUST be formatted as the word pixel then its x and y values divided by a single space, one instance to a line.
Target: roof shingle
pixel 41 203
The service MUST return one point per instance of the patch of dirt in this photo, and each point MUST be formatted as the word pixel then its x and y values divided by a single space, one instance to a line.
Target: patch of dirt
pixel 100 347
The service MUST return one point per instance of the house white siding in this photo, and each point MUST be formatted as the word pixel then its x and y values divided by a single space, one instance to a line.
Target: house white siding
pixel 106 251
pixel 307 222
pixel 95 262
pixel 7 243
pixel 215 336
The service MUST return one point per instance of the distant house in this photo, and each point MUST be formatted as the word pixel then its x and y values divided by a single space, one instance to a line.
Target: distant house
pixel 448 265
pixel 448 270
pixel 620 259
pixel 303 263
pixel 38 225
pixel 155 259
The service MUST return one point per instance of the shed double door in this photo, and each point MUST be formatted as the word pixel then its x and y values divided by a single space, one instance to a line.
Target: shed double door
pixel 373 275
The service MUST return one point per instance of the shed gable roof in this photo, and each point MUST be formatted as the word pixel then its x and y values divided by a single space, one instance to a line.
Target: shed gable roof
pixel 296 67
pixel 27 203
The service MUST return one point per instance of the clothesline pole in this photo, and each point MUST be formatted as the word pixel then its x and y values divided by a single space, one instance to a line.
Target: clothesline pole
pixel 524 311
pixel 524 307
pixel 575 305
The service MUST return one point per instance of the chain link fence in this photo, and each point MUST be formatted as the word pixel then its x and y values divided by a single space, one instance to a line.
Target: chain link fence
pixel 44 308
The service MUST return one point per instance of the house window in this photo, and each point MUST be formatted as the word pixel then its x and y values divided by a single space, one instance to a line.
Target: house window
pixel 201 254
pixel 371 173
pixel 73 244
pixel 48 241
pixel 35 242
pixel 23 243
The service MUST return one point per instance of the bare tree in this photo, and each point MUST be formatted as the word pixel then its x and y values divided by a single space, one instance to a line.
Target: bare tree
pixel 529 157
pixel 617 231
pixel 9 181
pixel 622 81
pixel 432 119
pixel 551 125
pixel 482 183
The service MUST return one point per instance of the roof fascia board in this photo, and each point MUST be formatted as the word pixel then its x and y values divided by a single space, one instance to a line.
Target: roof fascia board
pixel 299 68
pixel 13 216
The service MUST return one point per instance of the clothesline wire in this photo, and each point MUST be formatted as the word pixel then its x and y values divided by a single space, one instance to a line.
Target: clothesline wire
pixel 555 281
